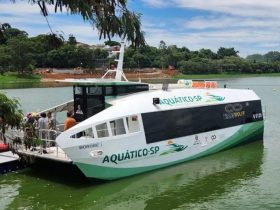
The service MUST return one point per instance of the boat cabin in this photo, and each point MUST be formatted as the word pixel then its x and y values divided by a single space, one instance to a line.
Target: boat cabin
pixel 90 98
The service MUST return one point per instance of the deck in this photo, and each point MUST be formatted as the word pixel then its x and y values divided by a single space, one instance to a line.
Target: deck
pixel 54 153
pixel 8 162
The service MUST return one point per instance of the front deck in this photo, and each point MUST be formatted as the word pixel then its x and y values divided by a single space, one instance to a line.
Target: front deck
pixel 47 148
pixel 54 153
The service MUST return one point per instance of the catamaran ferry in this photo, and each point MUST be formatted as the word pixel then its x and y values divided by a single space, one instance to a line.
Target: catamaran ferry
pixel 125 128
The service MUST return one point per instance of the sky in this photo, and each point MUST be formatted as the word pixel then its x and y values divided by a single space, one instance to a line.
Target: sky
pixel 250 26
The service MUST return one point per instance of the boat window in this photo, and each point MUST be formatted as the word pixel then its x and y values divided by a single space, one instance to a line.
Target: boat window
pixel 78 90
pixel 102 130
pixel 163 125
pixel 88 133
pixel 133 123
pixel 117 127
pixel 94 91
pixel 109 91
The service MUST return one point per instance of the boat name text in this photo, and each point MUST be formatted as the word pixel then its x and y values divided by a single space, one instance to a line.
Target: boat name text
pixel 128 155
pixel 180 100
pixel 87 146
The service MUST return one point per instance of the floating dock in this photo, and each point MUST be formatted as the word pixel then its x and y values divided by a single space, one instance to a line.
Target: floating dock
pixel 8 162
pixel 53 154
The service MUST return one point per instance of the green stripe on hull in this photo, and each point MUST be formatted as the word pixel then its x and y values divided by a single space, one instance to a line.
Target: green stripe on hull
pixel 247 133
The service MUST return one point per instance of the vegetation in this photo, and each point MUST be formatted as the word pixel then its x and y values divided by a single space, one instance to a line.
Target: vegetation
pixel 22 54
pixel 225 62
pixel 12 77
pixel 10 113
pixel 110 17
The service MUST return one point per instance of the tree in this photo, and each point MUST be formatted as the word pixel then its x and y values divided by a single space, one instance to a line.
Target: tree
pixel 255 58
pixel 8 33
pixel 112 43
pixel 3 28
pixel 21 52
pixel 5 58
pixel 272 56
pixel 10 113
pixel 207 53
pixel 224 52
pixel 110 17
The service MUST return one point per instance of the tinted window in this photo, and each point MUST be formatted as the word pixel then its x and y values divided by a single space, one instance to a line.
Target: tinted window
pixel 170 124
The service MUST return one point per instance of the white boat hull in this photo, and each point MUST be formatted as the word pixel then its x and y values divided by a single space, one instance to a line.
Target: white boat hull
pixel 101 161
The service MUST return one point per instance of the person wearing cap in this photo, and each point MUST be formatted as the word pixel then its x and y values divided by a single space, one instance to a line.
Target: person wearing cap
pixel 30 119
pixel 69 122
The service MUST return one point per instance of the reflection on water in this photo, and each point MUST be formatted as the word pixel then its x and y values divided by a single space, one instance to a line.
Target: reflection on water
pixel 185 185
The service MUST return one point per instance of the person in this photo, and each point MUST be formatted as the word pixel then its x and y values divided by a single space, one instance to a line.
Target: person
pixel 69 122
pixel 51 121
pixel 79 114
pixel 51 126
pixel 30 119
pixel 79 110
pixel 43 124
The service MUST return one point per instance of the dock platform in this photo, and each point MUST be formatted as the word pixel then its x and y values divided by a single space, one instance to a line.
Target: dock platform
pixel 53 154
pixel 8 162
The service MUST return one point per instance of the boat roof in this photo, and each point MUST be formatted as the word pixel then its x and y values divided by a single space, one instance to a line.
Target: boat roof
pixel 99 82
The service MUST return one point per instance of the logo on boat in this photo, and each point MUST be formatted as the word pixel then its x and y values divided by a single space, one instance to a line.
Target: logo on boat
pixel 173 147
pixel 214 98
pixel 233 111
pixel 130 155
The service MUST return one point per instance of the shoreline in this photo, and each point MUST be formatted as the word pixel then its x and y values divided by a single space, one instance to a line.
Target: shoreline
pixel 49 80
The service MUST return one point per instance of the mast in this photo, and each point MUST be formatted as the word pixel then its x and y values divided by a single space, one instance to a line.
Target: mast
pixel 119 70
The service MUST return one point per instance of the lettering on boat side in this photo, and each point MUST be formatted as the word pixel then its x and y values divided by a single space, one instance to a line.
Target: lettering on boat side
pixel 179 100
pixel 257 116
pixel 234 115
pixel 87 146
pixel 129 155
pixel 190 99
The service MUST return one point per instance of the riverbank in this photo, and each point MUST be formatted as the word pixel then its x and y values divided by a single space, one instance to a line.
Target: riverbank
pixel 13 77
pixel 223 75
pixel 12 80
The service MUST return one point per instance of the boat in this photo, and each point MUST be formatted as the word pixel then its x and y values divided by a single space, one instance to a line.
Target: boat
pixel 126 128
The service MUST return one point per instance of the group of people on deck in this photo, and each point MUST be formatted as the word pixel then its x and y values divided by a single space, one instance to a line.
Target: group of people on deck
pixel 44 127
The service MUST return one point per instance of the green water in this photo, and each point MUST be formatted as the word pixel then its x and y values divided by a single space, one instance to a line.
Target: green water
pixel 246 177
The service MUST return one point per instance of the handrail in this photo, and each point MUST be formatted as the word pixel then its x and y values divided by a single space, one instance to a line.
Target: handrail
pixel 47 142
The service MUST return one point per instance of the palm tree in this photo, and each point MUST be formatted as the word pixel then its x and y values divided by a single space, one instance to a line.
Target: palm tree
pixel 110 17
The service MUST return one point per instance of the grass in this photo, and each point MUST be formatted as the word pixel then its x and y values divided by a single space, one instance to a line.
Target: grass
pixel 223 75
pixel 8 78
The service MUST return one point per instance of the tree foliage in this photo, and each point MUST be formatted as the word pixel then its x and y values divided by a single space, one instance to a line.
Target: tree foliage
pixel 110 17
pixel 10 112
pixel 22 54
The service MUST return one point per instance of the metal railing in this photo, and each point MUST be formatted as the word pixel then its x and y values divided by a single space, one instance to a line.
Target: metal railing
pixel 42 143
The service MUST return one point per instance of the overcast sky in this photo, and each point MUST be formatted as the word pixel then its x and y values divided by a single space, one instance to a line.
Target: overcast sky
pixel 250 26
